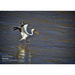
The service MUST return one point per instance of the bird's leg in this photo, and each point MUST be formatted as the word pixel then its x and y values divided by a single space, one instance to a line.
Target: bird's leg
pixel 27 42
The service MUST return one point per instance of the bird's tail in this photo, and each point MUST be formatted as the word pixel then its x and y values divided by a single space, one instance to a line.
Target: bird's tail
pixel 21 39
pixel 15 28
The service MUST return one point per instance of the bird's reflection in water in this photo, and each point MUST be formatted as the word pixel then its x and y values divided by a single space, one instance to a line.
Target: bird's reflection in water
pixel 24 54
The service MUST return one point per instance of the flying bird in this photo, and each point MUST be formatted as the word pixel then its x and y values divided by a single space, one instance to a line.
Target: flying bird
pixel 24 33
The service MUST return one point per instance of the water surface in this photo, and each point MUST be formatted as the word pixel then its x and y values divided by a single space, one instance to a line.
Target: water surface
pixel 54 45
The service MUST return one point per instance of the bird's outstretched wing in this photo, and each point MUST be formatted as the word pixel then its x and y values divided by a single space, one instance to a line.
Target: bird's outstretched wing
pixel 25 29
pixel 15 28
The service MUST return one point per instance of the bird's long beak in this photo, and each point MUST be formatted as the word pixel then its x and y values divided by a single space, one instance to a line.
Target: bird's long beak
pixel 36 32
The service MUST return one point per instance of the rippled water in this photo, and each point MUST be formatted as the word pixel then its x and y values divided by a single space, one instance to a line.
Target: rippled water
pixel 54 45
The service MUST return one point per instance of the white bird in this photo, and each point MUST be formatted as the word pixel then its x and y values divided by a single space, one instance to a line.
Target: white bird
pixel 24 32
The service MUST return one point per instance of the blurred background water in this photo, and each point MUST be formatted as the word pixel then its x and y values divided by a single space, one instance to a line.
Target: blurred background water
pixel 54 45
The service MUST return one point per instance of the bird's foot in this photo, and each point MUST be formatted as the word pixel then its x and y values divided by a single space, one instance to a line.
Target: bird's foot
pixel 27 42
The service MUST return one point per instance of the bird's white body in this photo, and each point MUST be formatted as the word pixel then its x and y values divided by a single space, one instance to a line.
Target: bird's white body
pixel 25 33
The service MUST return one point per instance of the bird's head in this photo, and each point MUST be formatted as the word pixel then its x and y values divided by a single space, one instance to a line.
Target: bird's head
pixel 35 31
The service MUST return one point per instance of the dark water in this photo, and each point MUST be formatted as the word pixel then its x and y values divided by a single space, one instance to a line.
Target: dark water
pixel 54 45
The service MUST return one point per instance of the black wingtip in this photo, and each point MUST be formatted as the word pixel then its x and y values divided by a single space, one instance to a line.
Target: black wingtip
pixel 15 28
